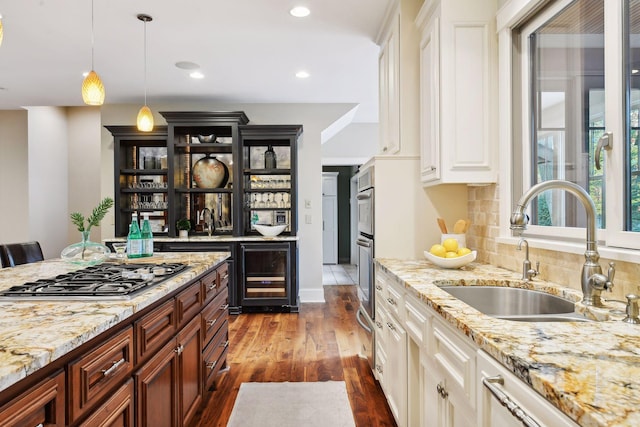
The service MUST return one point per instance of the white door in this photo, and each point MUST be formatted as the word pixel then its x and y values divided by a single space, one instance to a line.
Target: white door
pixel 329 230
pixel 330 218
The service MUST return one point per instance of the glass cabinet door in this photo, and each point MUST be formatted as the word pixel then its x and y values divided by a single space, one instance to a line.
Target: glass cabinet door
pixel 266 274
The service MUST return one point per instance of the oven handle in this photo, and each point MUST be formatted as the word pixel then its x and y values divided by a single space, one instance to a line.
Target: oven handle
pixel 364 243
pixel 359 315
pixel 363 196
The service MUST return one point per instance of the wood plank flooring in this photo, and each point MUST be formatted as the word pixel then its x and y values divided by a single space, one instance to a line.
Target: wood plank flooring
pixel 318 344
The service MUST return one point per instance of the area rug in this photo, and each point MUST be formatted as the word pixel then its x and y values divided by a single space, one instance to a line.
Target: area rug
pixel 308 404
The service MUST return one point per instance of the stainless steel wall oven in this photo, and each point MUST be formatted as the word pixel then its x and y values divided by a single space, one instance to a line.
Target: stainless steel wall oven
pixel 365 242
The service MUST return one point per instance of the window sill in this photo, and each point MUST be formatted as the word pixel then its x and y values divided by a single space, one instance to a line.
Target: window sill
pixel 575 247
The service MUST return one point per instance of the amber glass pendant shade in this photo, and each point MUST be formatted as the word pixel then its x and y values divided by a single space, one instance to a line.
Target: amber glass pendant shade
pixel 92 89
pixel 1 31
pixel 145 119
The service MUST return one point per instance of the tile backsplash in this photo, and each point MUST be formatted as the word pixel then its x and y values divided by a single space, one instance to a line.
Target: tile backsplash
pixel 558 267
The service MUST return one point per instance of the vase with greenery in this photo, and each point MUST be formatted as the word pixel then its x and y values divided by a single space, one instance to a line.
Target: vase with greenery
pixel 87 252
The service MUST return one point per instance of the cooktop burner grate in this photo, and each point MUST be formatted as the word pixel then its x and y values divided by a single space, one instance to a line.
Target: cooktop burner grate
pixel 103 281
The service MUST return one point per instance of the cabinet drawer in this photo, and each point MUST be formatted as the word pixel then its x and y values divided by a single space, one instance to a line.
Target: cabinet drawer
pixel 456 358
pixel 395 301
pixel 379 324
pixel 154 329
pixel 417 321
pixel 117 411
pixel 215 355
pixel 188 303
pixel 214 315
pixel 210 286
pixel 42 404
pixel 379 368
pixel 98 372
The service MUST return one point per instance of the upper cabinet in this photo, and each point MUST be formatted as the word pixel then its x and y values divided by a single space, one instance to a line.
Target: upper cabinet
pixel 268 163
pixel 458 91
pixel 203 156
pixel 210 168
pixel 141 180
pixel 398 79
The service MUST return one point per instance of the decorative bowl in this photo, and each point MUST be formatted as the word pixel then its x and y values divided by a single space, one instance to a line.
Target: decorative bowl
pixel 451 262
pixel 206 139
pixel 270 230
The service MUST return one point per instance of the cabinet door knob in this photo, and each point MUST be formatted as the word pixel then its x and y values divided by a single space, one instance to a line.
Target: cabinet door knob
pixel 442 392
pixel 179 349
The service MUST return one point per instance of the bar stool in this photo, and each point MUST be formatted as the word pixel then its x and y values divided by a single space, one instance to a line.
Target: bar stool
pixel 13 254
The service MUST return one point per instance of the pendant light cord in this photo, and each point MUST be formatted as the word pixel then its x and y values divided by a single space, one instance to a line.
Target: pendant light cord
pixel 92 36
pixel 145 62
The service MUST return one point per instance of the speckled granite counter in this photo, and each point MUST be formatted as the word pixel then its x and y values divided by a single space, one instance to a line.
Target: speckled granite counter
pixel 34 333
pixel 589 370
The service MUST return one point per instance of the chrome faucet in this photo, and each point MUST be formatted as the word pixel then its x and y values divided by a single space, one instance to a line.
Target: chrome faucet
pixel 528 273
pixel 593 281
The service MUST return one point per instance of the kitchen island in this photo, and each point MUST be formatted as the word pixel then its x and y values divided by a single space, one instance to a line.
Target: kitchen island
pixel 43 339
pixel 588 370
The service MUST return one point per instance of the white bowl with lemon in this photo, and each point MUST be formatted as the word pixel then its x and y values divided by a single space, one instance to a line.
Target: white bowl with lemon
pixel 450 255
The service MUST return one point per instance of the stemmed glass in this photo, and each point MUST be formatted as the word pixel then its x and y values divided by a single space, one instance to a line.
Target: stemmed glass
pixel 261 203
pixel 281 201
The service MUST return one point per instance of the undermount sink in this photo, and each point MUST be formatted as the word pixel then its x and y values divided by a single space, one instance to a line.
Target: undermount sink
pixel 518 304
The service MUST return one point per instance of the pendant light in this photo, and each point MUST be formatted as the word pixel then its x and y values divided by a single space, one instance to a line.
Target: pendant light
pixel 1 30
pixel 145 117
pixel 92 87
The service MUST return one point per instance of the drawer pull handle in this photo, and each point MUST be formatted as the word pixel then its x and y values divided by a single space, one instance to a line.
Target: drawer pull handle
pixel 505 400
pixel 378 287
pixel 179 349
pixel 379 325
pixel 211 365
pixel 113 368
pixel 224 307
pixel 390 326
pixel 211 322
pixel 226 276
pixel 225 344
pixel 391 301
pixel 442 391
pixel 379 368
pixel 213 286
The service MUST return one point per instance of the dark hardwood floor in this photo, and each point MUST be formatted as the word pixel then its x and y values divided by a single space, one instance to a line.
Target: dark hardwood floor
pixel 318 344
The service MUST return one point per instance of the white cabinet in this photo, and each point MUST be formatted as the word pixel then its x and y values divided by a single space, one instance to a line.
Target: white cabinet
pixel 389 75
pixel 523 401
pixel 458 88
pixel 391 345
pixel 449 365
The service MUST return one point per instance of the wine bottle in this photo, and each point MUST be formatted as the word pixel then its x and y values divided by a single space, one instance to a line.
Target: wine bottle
pixel 269 158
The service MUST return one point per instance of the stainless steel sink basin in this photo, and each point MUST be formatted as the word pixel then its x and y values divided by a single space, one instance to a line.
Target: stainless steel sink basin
pixel 516 304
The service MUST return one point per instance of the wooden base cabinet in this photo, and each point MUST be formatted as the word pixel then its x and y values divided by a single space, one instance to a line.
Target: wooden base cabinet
pixel 43 404
pixel 116 412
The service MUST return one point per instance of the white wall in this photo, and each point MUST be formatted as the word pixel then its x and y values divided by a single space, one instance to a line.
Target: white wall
pixel 14 177
pixel 48 177
pixel 314 118
pixel 354 145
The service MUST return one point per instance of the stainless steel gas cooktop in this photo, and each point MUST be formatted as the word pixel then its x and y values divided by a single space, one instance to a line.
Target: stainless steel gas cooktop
pixel 107 281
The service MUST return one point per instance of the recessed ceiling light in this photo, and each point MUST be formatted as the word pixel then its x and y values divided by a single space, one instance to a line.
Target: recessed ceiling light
pixel 300 11
pixel 196 75
pixel 187 65
pixel 302 74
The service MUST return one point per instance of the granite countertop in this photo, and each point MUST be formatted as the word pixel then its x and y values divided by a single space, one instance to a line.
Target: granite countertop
pixel 589 370
pixel 34 333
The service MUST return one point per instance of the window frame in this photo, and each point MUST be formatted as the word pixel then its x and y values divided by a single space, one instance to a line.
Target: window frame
pixel 514 95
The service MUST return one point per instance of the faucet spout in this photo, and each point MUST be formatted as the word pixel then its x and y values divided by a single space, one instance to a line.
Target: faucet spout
pixel 592 277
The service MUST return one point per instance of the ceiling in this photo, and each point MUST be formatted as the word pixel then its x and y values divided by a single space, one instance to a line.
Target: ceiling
pixel 248 50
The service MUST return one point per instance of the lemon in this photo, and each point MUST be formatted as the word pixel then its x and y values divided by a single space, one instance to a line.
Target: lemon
pixel 452 255
pixel 450 244
pixel 463 251
pixel 438 250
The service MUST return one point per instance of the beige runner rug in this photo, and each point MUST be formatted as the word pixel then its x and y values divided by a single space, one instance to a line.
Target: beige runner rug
pixel 308 404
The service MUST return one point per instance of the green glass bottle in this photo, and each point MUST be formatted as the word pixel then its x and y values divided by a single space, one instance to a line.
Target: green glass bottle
pixel 147 236
pixel 134 238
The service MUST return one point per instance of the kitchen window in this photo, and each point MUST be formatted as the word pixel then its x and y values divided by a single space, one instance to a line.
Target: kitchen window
pixel 576 67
